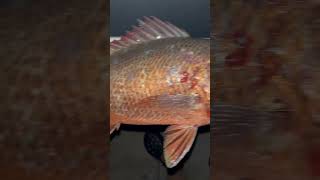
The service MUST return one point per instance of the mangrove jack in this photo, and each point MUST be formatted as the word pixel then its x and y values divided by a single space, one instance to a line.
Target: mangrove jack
pixel 159 75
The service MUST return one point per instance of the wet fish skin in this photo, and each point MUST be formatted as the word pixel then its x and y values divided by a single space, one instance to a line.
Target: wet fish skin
pixel 175 71
pixel 161 76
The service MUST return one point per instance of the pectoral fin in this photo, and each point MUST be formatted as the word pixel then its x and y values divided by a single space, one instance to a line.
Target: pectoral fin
pixel 177 143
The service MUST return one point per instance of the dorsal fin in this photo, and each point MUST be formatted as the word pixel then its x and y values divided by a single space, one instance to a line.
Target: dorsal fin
pixel 148 29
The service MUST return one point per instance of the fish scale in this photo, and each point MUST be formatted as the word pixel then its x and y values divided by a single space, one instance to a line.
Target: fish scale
pixel 153 82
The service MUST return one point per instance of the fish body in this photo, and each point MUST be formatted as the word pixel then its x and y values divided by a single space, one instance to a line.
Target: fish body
pixel 161 76
pixel 167 74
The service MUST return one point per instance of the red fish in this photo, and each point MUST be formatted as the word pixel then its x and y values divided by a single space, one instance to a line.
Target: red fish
pixel 159 75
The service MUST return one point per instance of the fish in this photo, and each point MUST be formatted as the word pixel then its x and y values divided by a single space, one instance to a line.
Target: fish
pixel 160 75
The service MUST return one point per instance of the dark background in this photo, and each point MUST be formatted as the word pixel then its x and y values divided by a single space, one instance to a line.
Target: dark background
pixel 193 16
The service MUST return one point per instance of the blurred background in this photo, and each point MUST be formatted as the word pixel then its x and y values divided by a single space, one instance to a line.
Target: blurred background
pixel 266 57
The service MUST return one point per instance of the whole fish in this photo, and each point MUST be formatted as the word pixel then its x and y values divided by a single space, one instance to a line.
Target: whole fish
pixel 159 75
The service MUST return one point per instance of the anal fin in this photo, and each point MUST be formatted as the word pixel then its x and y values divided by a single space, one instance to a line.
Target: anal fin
pixel 114 123
pixel 177 143
pixel 114 127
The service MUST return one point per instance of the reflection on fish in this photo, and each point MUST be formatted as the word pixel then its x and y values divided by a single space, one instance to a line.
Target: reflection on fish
pixel 161 76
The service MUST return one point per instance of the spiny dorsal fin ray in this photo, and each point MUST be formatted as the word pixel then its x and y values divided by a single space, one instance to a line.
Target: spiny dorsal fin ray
pixel 148 29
